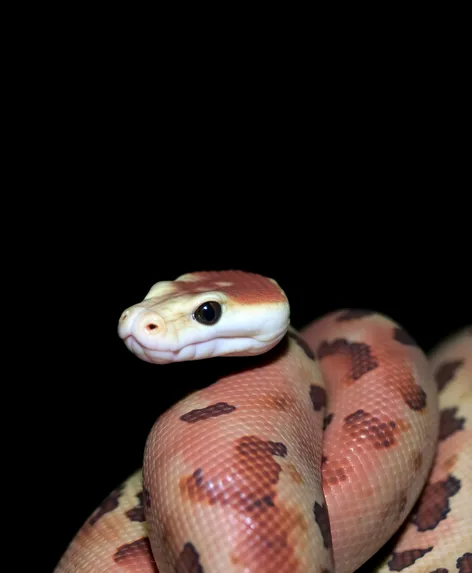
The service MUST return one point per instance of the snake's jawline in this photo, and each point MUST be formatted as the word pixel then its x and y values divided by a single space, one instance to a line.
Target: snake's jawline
pixel 203 373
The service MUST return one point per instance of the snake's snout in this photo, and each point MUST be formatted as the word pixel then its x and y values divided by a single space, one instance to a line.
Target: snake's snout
pixel 144 324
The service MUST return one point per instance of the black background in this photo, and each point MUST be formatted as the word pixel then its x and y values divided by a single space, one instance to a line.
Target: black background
pixel 346 201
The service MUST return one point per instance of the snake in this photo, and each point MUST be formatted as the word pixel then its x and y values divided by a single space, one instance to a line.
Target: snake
pixel 338 448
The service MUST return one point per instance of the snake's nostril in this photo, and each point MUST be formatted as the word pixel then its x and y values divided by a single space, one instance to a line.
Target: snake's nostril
pixel 149 324
pixel 124 315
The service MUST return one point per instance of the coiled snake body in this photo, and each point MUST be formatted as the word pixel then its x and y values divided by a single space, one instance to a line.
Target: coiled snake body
pixel 306 456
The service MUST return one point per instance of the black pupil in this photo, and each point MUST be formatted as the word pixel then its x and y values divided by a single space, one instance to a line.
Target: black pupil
pixel 208 313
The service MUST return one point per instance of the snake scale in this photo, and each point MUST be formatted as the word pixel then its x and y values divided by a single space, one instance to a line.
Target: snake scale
pixel 308 454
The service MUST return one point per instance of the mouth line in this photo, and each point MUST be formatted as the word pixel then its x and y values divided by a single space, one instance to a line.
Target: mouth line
pixel 136 341
pixel 145 348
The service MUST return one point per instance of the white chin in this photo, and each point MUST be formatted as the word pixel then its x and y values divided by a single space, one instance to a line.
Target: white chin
pixel 148 354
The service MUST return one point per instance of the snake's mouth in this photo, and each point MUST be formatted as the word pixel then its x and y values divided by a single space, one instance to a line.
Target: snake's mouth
pixel 198 350
pixel 148 354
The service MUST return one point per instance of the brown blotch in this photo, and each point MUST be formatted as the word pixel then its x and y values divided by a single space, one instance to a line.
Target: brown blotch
pixel 354 313
pixel 335 471
pixel 137 513
pixel 188 560
pixel 448 423
pixel 302 343
pixel 402 501
pixel 211 411
pixel 464 563
pixel 401 560
pixel 278 401
pixel 333 476
pixel 327 420
pixel 442 570
pixel 322 519
pixel 137 556
pixel 245 479
pixel 147 497
pixel 360 354
pixel 247 483
pixel 449 463
pixel 446 372
pixel 108 504
pixel 403 425
pixel 418 461
pixel 295 474
pixel 413 395
pixel 395 508
pixel 318 397
pixel 273 551
pixel 277 448
pixel 402 336
pixel 433 505
pixel 362 425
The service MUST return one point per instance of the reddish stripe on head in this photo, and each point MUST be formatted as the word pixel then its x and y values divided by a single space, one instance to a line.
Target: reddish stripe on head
pixel 244 288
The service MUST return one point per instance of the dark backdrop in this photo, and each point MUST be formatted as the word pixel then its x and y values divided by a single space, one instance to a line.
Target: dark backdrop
pixel 345 203
pixel 346 178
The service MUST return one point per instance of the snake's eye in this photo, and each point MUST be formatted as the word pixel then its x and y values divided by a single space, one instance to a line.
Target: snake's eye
pixel 208 313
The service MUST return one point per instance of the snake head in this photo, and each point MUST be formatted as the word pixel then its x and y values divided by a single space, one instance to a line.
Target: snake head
pixel 206 314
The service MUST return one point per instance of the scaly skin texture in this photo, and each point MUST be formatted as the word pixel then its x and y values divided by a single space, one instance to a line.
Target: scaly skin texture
pixel 240 477
pixel 248 477
pixel 438 534
pixel 380 440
